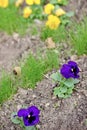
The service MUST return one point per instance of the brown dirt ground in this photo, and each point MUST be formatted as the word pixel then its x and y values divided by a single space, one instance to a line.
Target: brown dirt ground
pixel 79 7
pixel 56 114
pixel 14 47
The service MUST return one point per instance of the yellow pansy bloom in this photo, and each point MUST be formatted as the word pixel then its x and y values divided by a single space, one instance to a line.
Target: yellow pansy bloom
pixel 50 17
pixel 48 8
pixel 4 3
pixel 37 2
pixel 60 12
pixel 53 22
pixel 27 12
pixel 29 2
pixel 18 3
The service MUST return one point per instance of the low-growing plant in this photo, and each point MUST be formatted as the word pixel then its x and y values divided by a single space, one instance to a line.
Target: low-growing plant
pixel 31 9
pixel 52 11
pixel 56 15
pixel 78 36
pixel 27 118
pixel 28 74
pixel 60 2
pixel 11 21
pixel 7 87
pixel 66 79
pixel 58 35
pixel 19 13
pixel 34 68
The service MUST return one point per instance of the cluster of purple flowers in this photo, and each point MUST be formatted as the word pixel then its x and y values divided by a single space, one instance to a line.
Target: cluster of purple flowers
pixel 31 114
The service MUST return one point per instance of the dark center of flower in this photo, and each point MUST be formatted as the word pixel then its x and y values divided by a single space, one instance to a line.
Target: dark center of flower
pixel 31 118
pixel 74 70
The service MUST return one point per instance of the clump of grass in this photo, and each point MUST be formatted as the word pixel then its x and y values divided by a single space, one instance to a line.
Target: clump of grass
pixel 11 21
pixel 78 37
pixel 6 88
pixel 57 35
pixel 33 29
pixel 51 60
pixel 33 69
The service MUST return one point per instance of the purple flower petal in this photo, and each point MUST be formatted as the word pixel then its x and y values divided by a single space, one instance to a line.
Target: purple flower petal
pixel 22 112
pixel 36 120
pixel 65 71
pixel 34 110
pixel 25 120
pixel 72 63
pixel 27 123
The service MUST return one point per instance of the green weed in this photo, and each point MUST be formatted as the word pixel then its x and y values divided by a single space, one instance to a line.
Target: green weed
pixel 11 21
pixel 78 37
pixel 33 69
pixel 57 35
pixel 33 30
pixel 6 88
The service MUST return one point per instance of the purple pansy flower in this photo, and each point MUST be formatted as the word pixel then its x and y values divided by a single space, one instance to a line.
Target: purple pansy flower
pixel 70 70
pixel 30 115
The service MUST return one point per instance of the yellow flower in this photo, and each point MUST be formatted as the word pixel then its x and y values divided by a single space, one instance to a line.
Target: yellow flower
pixel 53 22
pixel 4 3
pixel 37 2
pixel 29 2
pixel 27 12
pixel 60 12
pixel 50 17
pixel 48 8
pixel 18 3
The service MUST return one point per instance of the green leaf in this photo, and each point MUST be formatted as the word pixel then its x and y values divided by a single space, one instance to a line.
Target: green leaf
pixel 75 81
pixel 70 14
pixel 61 95
pixel 69 91
pixel 15 118
pixel 65 21
pixel 67 96
pixel 69 82
pixel 56 7
pixel 30 128
pixel 56 76
pixel 63 89
pixel 53 1
pixel 56 91
pixel 63 2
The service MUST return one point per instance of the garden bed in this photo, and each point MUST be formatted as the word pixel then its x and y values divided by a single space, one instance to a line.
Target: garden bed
pixel 62 114
pixel 56 114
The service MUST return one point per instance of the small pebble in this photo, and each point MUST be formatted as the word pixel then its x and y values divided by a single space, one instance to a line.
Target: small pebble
pixel 19 107
pixel 74 57
pixel 38 126
pixel 47 104
pixel 54 97
pixel 34 96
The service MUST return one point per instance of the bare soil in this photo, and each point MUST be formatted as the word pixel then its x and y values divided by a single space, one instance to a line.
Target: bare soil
pixel 79 7
pixel 13 48
pixel 56 114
